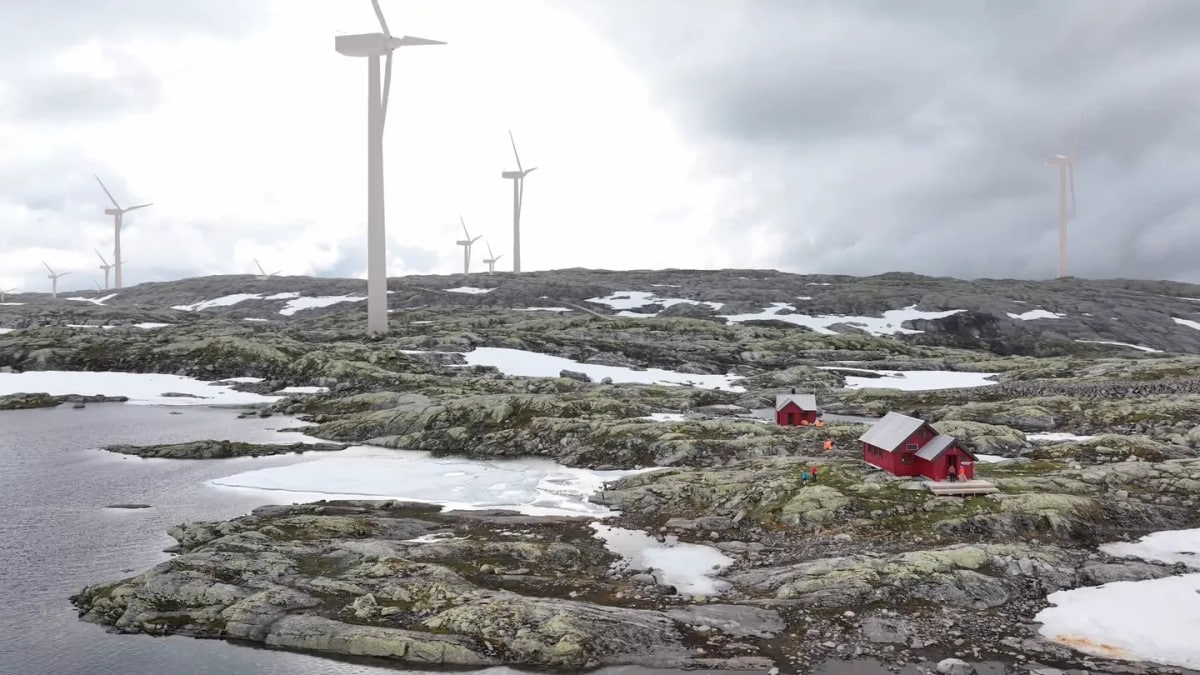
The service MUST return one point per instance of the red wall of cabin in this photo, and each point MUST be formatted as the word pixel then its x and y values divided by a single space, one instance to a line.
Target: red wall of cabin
pixel 781 415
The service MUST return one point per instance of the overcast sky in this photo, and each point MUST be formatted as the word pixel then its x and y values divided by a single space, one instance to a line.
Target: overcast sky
pixel 843 136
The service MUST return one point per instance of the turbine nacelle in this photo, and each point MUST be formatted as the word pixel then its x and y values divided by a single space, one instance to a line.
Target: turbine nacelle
pixel 376 44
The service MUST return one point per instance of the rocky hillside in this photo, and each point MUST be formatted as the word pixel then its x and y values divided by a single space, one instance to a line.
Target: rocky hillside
pixel 1003 316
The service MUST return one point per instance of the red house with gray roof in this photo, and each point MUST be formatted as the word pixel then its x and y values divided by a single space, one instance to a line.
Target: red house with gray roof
pixel 792 409
pixel 907 446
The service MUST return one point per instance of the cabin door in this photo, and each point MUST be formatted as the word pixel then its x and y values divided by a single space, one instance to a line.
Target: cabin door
pixel 952 466
pixel 791 419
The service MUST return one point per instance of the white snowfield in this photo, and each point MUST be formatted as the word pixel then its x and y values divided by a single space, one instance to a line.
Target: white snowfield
pixel 1035 314
pixel 520 363
pixel 1148 350
pixel 888 324
pixel 1156 620
pixel 295 303
pixel 533 487
pixel 915 380
pixel 469 290
pixel 141 388
pixel 629 300
pixel 687 567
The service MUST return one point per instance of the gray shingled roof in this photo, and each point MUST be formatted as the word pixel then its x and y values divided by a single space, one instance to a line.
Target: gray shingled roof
pixel 889 432
pixel 803 401
pixel 936 446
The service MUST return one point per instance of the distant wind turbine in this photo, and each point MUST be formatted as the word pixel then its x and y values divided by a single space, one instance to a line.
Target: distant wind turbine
pixel 263 274
pixel 1066 178
pixel 5 291
pixel 97 285
pixel 466 244
pixel 518 179
pixel 118 215
pixel 54 279
pixel 491 259
pixel 372 46
pixel 104 265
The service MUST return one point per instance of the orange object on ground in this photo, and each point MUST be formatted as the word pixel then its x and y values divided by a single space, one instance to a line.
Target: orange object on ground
pixel 828 444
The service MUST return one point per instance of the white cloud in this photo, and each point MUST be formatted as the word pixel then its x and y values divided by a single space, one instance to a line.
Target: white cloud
pixel 257 149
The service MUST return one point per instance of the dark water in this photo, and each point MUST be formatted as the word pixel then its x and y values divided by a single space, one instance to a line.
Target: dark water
pixel 57 535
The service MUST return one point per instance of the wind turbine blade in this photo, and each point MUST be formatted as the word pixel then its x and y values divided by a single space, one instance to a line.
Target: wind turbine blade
pixel 497 258
pixel 387 87
pixel 64 274
pixel 476 238
pixel 531 171
pixel 379 15
pixel 47 267
pixel 410 41
pixel 259 266
pixel 139 206
pixel 464 226
pixel 110 197
pixel 97 285
pixel 101 258
pixel 514 146
pixel 1071 176
pixel 489 247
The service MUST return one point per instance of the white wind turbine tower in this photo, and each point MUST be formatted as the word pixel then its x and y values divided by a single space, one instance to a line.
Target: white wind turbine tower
pixel 466 244
pixel 263 274
pixel 118 215
pixel 518 179
pixel 491 259
pixel 373 46
pixel 104 265
pixel 54 279
pixel 4 292
pixel 1066 178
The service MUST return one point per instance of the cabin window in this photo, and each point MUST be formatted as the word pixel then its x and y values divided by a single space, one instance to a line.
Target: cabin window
pixel 911 446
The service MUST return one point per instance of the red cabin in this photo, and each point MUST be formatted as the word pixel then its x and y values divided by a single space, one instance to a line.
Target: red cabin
pixel 791 410
pixel 907 446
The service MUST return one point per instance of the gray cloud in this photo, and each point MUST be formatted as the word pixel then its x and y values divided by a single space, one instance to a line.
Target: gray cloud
pixel 57 98
pixel 911 136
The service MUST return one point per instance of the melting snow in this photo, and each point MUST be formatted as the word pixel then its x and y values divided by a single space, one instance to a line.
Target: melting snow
pixel 915 380
pixel 666 417
pixel 303 390
pixel 141 388
pixel 888 324
pixel 1186 322
pixel 991 459
pixel 627 300
pixel 95 301
pixel 1148 350
pixel 472 290
pixel 6 330
pixel 298 304
pixel 521 363
pixel 1035 314
pixel 1056 437
pixel 541 309
pixel 687 567
pixel 295 302
pixel 534 487
pixel 1153 620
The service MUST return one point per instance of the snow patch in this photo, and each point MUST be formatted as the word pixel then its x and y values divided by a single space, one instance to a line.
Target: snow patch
pixel 1169 546
pixel 520 363
pixel 141 388
pixel 915 380
pixel 470 290
pixel 298 304
pixel 1148 350
pixel 534 487
pixel 687 567
pixel 540 309
pixel 1034 314
pixel 888 324
pixel 1056 437
pixel 666 417
pixel 1186 322
pixel 94 301
pixel 223 301
pixel 628 300
pixel 303 390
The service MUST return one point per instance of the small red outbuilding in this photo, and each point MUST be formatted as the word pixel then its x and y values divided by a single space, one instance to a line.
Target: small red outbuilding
pixel 907 446
pixel 793 409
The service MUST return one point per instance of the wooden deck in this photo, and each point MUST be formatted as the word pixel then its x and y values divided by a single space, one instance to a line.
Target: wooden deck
pixel 960 488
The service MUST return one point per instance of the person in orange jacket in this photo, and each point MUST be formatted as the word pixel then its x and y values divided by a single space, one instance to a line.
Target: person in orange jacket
pixel 828 444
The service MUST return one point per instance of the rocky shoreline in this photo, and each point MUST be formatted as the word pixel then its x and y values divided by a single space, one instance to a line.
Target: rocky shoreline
pixel 24 401
pixel 221 449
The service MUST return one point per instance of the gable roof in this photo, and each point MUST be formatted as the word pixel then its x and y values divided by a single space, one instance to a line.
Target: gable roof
pixel 889 432
pixel 936 446
pixel 802 401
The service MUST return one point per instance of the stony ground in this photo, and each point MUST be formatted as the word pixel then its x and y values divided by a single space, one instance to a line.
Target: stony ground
pixel 856 563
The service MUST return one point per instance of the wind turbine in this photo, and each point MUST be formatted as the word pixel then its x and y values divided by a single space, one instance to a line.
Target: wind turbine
pixel 104 265
pixel 1066 177
pixel 518 179
pixel 97 285
pixel 466 244
pixel 373 46
pixel 491 259
pixel 5 291
pixel 118 215
pixel 54 279
pixel 263 274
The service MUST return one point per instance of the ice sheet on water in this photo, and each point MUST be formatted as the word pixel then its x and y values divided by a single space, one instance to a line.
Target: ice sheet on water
pixel 141 388
pixel 687 567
